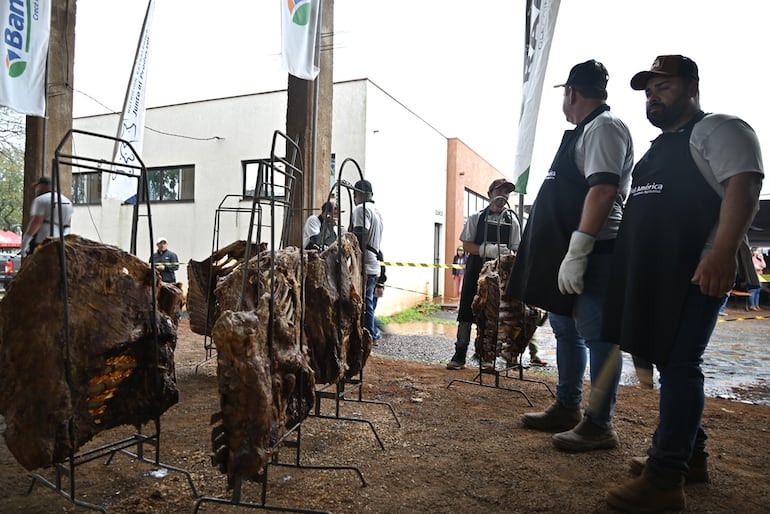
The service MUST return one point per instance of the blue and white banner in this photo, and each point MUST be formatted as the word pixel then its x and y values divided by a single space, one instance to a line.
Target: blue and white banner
pixel 299 29
pixel 541 21
pixel 131 125
pixel 26 27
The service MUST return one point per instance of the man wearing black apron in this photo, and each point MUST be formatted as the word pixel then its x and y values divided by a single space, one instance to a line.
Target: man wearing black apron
pixel 693 196
pixel 562 263
pixel 486 235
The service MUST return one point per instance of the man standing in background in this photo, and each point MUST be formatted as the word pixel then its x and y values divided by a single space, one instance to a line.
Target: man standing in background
pixel 165 261
pixel 367 226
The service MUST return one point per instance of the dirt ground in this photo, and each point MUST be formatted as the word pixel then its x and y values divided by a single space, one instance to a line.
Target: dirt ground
pixel 459 449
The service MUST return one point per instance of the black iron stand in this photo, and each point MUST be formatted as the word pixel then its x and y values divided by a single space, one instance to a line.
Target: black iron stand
pixel 235 499
pixel 338 392
pixel 66 470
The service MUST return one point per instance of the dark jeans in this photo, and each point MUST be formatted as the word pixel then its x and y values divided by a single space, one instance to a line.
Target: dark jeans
pixel 679 431
pixel 371 281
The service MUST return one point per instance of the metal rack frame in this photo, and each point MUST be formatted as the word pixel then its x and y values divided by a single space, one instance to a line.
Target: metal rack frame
pixel 504 372
pixel 338 392
pixel 67 468
pixel 293 170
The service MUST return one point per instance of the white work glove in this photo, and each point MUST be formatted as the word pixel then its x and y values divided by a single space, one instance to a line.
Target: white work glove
pixel 492 250
pixel 25 240
pixel 573 267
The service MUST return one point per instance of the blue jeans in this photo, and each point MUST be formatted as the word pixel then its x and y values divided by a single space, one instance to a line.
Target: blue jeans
pixel 754 298
pixel 577 338
pixel 679 431
pixel 371 281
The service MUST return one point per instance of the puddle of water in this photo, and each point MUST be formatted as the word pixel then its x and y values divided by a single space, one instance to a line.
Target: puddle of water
pixel 736 364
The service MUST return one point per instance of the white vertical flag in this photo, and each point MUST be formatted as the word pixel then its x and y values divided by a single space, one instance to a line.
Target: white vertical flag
pixel 26 26
pixel 541 21
pixel 131 124
pixel 299 28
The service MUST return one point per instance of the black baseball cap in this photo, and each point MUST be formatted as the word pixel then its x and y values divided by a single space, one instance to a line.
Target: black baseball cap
pixel 667 66
pixel 364 186
pixel 591 73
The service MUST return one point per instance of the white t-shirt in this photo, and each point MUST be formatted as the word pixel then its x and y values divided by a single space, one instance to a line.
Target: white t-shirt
pixel 371 221
pixel 41 206
pixel 312 228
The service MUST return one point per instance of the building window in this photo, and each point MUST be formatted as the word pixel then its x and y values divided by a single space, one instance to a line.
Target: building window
pixel 87 188
pixel 474 202
pixel 171 184
pixel 258 176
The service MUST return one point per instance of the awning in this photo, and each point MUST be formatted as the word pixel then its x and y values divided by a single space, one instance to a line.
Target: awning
pixel 9 239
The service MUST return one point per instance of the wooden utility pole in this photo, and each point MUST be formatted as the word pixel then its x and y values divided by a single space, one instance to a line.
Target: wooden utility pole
pixel 300 118
pixel 43 135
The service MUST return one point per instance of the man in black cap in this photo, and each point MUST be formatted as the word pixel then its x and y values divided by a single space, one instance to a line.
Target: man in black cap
pixel 312 239
pixel 366 223
pixel 693 197
pixel 485 236
pixel 562 263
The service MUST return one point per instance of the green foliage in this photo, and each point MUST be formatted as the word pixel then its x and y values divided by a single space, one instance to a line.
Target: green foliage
pixel 11 188
pixel 420 312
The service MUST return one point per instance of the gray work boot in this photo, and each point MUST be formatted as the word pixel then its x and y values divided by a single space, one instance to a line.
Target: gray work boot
pixel 586 437
pixel 555 417
pixel 461 346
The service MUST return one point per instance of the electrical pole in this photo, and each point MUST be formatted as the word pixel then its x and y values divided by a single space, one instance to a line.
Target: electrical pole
pixel 43 135
pixel 301 116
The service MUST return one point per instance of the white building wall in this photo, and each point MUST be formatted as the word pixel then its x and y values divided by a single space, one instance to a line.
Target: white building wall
pixel 406 164
pixel 402 155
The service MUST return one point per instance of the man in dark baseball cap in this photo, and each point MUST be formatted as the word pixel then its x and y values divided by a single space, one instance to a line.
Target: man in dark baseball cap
pixel 667 66
pixel 590 74
pixel 502 185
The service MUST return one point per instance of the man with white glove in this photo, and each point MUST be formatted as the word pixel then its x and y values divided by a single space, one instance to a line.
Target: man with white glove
pixel 574 264
pixel 563 260
pixel 486 235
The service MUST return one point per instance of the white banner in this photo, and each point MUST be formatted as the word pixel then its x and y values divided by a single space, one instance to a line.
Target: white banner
pixel 541 21
pixel 299 28
pixel 26 26
pixel 131 124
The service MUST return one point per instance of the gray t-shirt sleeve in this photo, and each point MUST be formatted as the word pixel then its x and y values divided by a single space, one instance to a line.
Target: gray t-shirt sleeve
pixel 723 146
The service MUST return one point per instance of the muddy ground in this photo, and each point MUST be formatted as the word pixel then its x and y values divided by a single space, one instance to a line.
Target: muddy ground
pixel 459 449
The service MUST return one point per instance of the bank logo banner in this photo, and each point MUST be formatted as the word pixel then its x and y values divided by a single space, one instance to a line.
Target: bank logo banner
pixel 26 27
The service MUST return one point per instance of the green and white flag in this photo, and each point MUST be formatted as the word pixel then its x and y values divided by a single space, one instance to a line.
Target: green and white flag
pixel 541 21
pixel 26 26
pixel 299 30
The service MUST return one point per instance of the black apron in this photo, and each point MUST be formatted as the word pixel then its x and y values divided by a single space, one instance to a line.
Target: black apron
pixel 669 215
pixel 555 215
pixel 485 233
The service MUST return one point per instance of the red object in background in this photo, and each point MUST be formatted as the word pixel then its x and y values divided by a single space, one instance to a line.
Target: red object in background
pixel 9 239
pixel 8 267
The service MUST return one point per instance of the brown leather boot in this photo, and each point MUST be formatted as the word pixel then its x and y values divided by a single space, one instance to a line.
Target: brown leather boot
pixel 555 417
pixel 642 495
pixel 698 473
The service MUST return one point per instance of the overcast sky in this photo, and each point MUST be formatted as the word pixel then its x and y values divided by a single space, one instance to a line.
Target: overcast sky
pixel 456 63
